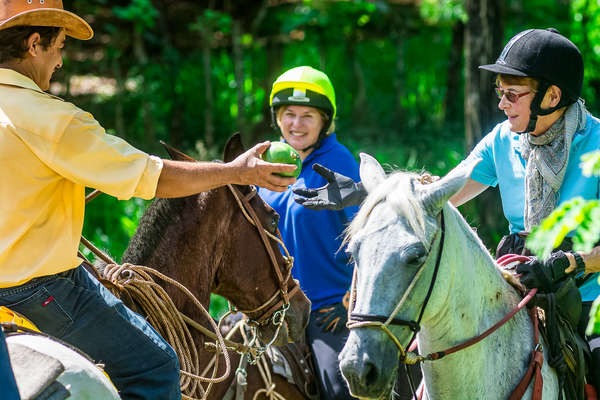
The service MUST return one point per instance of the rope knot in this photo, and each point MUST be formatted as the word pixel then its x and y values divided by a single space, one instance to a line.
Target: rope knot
pixel 119 275
pixel 411 358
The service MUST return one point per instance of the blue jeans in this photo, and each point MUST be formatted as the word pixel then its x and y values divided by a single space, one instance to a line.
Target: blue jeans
pixel 7 378
pixel 74 307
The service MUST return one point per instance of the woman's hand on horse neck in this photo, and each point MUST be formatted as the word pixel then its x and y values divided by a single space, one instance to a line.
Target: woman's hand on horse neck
pixel 182 178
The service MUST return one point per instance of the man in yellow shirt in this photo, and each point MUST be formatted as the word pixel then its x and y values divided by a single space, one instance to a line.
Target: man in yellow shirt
pixel 50 150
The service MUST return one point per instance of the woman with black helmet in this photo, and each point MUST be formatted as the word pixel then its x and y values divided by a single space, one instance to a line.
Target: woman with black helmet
pixel 533 156
pixel 303 107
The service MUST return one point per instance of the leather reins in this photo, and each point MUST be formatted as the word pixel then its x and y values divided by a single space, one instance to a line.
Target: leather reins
pixel 269 311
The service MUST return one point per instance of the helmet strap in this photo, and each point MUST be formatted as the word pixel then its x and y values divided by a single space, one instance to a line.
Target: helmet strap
pixel 536 106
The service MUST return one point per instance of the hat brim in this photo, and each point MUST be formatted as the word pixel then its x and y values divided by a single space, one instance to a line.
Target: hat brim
pixel 74 25
pixel 502 69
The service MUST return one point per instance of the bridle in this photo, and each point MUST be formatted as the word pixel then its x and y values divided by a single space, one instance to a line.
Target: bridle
pixel 275 308
pixel 356 320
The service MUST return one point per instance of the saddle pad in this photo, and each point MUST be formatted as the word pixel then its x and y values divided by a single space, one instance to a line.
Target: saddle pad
pixel 34 371
pixel 280 364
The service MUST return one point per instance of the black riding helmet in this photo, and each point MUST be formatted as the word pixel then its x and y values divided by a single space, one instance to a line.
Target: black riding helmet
pixel 548 57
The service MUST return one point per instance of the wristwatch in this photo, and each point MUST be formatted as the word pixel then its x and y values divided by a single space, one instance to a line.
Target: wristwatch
pixel 580 268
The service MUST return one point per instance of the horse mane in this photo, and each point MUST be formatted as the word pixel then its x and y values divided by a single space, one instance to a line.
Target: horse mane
pixel 151 229
pixel 398 189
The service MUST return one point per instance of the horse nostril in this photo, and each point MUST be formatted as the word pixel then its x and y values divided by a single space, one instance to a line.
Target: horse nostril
pixel 369 374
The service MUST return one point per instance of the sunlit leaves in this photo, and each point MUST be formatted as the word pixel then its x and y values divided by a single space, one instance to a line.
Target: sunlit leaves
pixel 578 215
pixel 594 322
pixel 443 11
pixel 590 163
pixel 575 214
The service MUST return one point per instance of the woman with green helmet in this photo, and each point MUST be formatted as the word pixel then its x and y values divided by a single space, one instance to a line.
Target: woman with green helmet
pixel 303 108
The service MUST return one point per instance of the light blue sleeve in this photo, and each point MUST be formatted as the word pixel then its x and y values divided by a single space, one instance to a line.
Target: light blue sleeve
pixel 485 171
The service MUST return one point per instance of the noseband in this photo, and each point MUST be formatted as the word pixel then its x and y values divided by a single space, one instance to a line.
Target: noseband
pixel 356 320
pixel 271 311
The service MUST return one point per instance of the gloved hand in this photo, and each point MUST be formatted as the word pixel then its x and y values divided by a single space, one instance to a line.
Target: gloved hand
pixel 543 275
pixel 339 192
pixel 333 318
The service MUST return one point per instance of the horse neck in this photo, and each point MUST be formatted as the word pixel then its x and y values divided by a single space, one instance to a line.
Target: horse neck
pixel 471 297
pixel 188 247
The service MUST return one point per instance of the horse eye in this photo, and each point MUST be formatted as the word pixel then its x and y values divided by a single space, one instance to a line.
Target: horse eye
pixel 416 256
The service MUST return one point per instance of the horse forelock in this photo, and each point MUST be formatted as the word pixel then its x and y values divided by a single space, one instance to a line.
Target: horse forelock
pixel 399 190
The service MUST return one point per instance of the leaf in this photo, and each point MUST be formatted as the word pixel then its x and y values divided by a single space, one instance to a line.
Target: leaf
pixel 590 163
pixel 553 229
pixel 594 322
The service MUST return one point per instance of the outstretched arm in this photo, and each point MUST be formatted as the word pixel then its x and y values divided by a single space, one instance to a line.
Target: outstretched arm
pixel 339 192
pixel 180 178
pixel 471 190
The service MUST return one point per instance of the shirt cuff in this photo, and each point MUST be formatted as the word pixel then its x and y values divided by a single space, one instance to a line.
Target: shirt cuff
pixel 146 188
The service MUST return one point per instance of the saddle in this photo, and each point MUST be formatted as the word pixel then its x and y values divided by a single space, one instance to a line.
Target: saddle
pixel 35 373
pixel 569 353
pixel 294 362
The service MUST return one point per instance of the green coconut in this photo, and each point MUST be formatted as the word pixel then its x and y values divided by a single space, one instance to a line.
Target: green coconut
pixel 283 153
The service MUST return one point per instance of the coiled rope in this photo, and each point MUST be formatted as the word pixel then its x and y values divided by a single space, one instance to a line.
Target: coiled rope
pixel 162 314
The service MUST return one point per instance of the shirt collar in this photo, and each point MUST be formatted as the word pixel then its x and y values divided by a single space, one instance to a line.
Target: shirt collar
pixel 13 78
pixel 326 145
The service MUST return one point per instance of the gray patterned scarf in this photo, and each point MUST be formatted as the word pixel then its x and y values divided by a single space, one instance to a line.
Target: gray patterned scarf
pixel 547 156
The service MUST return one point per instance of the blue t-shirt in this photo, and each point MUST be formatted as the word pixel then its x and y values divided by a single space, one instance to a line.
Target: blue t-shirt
pixel 314 238
pixel 502 164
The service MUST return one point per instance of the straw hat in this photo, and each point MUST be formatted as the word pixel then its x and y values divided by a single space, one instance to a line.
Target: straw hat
pixel 43 13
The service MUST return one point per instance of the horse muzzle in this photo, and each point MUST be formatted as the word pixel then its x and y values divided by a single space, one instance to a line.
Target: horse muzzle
pixel 369 364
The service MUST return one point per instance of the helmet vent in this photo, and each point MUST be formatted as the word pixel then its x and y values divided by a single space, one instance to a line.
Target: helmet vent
pixel 300 96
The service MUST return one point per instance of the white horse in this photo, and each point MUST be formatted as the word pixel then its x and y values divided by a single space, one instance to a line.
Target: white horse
pixel 395 240
pixel 80 377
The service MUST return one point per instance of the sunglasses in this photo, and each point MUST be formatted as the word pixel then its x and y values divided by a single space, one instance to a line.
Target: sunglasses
pixel 510 96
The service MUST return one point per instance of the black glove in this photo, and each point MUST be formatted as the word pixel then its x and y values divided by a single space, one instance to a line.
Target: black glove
pixel 339 192
pixel 333 318
pixel 544 275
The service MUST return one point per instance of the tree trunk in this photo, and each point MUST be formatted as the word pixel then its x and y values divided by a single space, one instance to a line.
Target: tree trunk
pixel 483 38
pixel 483 43
pixel 359 105
pixel 238 63
pixel 451 107
pixel 209 126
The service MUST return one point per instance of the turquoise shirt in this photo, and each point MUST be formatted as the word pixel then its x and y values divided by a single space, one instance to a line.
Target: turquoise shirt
pixel 502 164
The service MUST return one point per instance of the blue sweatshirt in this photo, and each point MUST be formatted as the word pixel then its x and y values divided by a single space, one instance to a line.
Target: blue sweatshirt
pixel 314 238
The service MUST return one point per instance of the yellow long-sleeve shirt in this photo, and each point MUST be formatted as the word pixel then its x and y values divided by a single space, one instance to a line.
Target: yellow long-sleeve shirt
pixel 50 150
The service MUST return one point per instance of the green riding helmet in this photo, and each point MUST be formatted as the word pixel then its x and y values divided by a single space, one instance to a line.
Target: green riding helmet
pixel 304 86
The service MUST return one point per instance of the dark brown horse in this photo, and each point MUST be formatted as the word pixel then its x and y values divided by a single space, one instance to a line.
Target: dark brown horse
pixel 206 243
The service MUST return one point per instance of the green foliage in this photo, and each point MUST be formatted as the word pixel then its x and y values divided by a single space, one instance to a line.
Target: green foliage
pixel 576 215
pixel 590 163
pixel 594 322
pixel 141 12
pixel 579 216
pixel 443 11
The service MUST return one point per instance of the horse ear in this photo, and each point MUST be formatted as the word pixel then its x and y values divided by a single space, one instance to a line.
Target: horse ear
pixel 371 172
pixel 436 194
pixel 176 154
pixel 233 148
